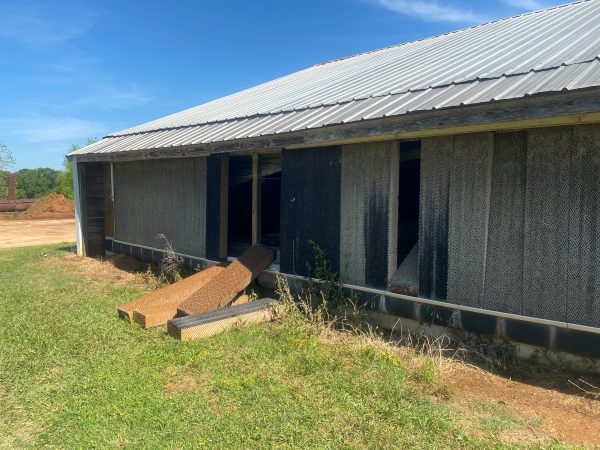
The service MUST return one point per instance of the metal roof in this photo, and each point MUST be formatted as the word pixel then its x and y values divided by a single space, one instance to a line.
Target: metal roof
pixel 551 50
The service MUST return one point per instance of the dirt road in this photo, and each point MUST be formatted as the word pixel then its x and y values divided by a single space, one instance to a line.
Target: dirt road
pixel 23 233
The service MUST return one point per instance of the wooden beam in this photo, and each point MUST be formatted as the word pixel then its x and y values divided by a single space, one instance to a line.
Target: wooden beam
pixel 224 206
pixel 256 200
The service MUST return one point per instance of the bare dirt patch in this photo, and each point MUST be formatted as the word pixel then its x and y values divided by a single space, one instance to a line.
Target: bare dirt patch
pixel 184 385
pixel 542 405
pixel 520 404
pixel 24 233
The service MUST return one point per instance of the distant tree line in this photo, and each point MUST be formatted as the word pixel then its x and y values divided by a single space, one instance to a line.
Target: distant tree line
pixel 35 183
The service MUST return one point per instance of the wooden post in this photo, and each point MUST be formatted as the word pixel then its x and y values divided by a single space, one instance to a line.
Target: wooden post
pixel 256 200
pixel 224 206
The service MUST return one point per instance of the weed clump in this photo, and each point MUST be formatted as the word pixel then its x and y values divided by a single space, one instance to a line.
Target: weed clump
pixel 171 263
pixel 320 308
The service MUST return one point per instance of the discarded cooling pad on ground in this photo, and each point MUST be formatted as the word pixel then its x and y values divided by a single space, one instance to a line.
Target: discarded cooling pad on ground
pixel 168 297
pixel 226 285
pixel 207 324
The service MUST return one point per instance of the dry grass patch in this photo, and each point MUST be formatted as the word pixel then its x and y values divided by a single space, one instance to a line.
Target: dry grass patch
pixel 12 413
pixel 119 270
pixel 186 384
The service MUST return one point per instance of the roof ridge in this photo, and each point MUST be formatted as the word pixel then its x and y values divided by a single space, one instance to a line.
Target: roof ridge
pixel 343 102
pixel 449 33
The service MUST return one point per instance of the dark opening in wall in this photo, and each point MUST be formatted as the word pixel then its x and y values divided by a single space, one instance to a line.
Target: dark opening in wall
pixel 270 172
pixel 405 280
pixel 239 205
pixel 408 197
pixel 91 188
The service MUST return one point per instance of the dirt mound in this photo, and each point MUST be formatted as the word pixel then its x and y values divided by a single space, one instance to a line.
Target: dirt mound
pixel 52 206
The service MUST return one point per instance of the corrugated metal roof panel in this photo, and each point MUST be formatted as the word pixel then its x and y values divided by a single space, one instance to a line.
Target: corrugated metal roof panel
pixel 547 51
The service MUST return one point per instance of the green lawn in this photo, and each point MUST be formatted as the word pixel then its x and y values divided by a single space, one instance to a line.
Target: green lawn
pixel 72 374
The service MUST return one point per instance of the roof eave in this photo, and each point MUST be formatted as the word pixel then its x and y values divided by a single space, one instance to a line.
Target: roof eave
pixel 551 109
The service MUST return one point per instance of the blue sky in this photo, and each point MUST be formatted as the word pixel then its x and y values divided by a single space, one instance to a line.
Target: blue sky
pixel 74 70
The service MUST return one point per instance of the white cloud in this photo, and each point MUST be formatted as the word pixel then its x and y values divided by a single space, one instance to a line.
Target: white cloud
pixel 108 97
pixel 45 24
pixel 432 11
pixel 529 5
pixel 49 129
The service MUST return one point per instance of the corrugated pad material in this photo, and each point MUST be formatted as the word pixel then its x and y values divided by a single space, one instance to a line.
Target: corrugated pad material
pixel 161 314
pixel 224 286
pixel 175 293
pixel 208 324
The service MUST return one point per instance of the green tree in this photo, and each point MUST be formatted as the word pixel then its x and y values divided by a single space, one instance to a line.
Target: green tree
pixel 6 162
pixel 3 184
pixel 65 181
pixel 6 158
pixel 65 178
pixel 35 183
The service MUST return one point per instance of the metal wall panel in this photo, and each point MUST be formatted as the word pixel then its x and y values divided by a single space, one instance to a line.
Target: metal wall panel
pixel 436 163
pixel 504 263
pixel 162 197
pixel 310 207
pixel 368 195
pixel 547 210
pixel 584 238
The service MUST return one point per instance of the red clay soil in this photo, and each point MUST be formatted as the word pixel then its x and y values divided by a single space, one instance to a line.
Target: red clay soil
pixel 169 296
pixel 225 286
pixel 564 413
pixel 53 206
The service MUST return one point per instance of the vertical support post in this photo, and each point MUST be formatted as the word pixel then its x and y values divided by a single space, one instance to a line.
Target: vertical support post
pixel 112 197
pixel 393 209
pixel 79 237
pixel 256 200
pixel 12 186
pixel 488 201
pixel 112 183
pixel 224 206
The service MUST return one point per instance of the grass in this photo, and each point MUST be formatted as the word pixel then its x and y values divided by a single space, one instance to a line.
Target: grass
pixel 73 375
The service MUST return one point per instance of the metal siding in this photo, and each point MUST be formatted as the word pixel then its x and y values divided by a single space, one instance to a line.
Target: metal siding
pixel 310 207
pixel 367 175
pixel 468 216
pixel 162 197
pixel 546 51
pixel 504 262
pixel 436 163
pixel 547 210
